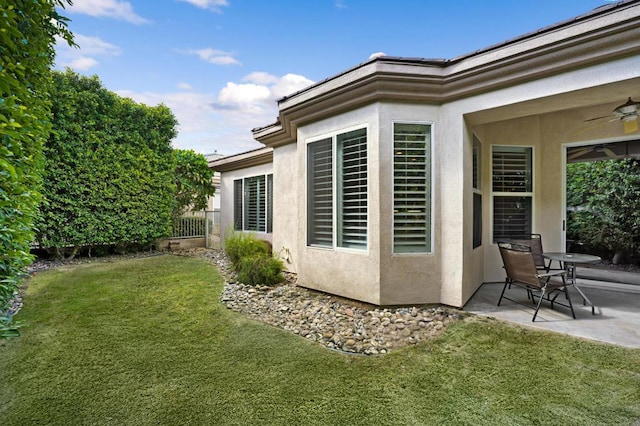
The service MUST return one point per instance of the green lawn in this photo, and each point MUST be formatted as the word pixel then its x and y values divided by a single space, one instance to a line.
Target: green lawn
pixel 147 342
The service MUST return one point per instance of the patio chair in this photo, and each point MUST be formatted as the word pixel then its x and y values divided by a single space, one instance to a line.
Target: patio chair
pixel 520 267
pixel 535 242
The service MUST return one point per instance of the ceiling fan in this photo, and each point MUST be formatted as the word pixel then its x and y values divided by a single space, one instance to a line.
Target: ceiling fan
pixel 628 113
pixel 578 152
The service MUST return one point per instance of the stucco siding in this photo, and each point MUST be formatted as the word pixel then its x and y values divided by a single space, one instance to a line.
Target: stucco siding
pixel 350 273
pixel 286 179
pixel 408 278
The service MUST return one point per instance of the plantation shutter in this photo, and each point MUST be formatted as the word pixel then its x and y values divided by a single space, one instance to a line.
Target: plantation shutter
pixel 511 169
pixel 237 204
pixel 411 188
pixel 352 216
pixel 320 193
pixel 269 203
pixel 254 204
pixel 512 188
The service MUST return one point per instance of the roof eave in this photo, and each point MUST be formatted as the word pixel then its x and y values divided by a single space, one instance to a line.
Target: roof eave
pixel 243 160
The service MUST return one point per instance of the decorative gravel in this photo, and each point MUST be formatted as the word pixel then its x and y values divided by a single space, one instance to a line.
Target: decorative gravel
pixel 337 323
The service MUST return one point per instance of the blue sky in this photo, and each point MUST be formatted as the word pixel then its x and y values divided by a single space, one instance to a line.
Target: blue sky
pixel 220 65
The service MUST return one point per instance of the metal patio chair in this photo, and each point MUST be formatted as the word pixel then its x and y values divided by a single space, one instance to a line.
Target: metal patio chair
pixel 520 267
pixel 534 241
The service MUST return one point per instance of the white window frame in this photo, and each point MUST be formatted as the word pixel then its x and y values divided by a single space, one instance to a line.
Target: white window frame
pixel 431 188
pixel 530 194
pixel 477 190
pixel 243 205
pixel 335 189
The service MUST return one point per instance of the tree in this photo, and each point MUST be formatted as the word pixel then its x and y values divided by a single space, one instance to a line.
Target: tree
pixel 194 181
pixel 27 35
pixel 603 198
pixel 109 173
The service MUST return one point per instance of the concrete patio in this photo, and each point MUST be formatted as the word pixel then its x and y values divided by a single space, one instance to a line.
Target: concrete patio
pixel 617 318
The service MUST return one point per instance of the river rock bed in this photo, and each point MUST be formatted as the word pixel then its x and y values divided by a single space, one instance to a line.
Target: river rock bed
pixel 337 323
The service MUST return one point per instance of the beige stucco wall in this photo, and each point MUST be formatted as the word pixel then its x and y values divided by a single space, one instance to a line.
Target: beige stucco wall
pixel 226 197
pixel 286 195
pixel 546 114
pixel 377 275
pixel 409 278
pixel 350 273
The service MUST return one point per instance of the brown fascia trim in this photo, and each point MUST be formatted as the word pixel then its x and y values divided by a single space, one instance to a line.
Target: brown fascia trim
pixel 437 82
pixel 243 160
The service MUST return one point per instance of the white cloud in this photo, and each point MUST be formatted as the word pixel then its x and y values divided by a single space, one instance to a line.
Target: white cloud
pixel 184 86
pixel 107 8
pixel 213 56
pixel 82 63
pixel 251 96
pixel 213 5
pixel 289 84
pixel 83 57
pixel 260 77
pixel 223 121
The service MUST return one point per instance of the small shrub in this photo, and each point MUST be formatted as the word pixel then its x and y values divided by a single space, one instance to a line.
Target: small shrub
pixel 238 246
pixel 260 270
pixel 252 259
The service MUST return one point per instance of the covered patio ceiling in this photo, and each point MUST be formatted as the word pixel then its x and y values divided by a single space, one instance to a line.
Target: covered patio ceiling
pixel 587 103
pixel 589 129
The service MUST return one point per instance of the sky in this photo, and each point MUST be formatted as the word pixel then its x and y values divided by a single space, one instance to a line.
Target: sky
pixel 221 65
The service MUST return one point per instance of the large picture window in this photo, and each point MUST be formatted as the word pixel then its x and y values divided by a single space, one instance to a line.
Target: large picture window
pixel 337 191
pixel 411 188
pixel 252 201
pixel 512 188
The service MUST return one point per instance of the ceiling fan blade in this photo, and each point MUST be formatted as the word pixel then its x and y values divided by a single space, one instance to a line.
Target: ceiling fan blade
pixel 598 118
pixel 630 126
pixel 609 153
pixel 594 126
pixel 579 153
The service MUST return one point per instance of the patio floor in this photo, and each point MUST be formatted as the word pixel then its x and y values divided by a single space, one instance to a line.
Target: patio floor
pixel 617 318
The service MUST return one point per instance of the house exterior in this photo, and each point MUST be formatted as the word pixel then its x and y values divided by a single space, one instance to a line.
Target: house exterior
pixel 391 182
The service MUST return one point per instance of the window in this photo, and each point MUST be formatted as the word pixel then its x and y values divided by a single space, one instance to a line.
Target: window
pixel 352 217
pixel 411 188
pixel 320 193
pixel 237 204
pixel 347 171
pixel 252 203
pixel 477 193
pixel 512 191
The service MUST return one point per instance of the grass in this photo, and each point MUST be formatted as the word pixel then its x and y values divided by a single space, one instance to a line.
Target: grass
pixel 147 342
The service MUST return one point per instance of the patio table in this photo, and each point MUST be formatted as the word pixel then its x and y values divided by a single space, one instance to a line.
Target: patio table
pixel 570 260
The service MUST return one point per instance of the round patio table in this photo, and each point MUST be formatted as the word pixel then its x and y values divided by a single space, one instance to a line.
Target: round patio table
pixel 570 260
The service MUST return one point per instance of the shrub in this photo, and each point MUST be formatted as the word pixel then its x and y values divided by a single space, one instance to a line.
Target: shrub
pixel 109 169
pixel 238 245
pixel 252 259
pixel 260 270
pixel 27 38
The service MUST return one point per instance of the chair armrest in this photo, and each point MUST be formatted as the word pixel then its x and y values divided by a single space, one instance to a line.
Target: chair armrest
pixel 552 274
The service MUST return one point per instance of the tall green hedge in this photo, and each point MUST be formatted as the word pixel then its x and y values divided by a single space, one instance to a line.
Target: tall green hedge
pixel 109 169
pixel 27 30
